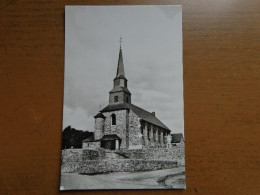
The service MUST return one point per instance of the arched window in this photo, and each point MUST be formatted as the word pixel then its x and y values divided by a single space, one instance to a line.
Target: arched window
pixel 113 116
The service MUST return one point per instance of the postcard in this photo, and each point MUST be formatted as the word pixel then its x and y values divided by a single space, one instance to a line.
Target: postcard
pixel 123 118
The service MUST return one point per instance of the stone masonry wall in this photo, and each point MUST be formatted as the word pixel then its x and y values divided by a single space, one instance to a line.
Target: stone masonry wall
pixel 130 136
pixel 134 154
pixel 90 155
pixel 119 128
pixel 173 154
pixel 123 165
pixel 91 145
pixel 71 160
pixel 120 96
pixel 99 128
pixel 135 140
pixel 95 161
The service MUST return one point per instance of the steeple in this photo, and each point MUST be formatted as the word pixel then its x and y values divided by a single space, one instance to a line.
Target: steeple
pixel 120 65
pixel 120 93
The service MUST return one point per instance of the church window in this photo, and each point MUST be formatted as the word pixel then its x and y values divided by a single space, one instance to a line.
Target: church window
pixel 148 130
pixel 116 98
pixel 142 127
pixel 127 100
pixel 113 116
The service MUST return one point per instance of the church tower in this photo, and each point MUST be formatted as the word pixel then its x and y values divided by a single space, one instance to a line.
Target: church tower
pixel 120 94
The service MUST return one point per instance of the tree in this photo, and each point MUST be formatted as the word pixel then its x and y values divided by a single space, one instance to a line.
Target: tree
pixel 73 138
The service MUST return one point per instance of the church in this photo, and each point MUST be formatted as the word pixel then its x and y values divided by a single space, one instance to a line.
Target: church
pixel 123 125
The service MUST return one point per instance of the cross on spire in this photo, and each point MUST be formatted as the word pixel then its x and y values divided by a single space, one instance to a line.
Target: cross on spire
pixel 120 41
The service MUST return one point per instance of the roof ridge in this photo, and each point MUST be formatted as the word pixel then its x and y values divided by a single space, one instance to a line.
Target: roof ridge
pixel 152 116
pixel 140 112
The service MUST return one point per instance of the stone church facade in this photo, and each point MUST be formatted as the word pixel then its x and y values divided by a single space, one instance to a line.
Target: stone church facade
pixel 123 125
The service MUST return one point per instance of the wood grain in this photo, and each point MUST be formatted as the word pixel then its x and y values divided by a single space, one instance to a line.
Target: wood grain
pixel 221 41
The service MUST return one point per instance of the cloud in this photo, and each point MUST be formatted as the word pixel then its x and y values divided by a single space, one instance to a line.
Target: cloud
pixel 152 53
pixel 77 118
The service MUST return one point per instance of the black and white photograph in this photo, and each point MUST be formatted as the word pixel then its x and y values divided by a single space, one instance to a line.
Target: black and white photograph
pixel 123 110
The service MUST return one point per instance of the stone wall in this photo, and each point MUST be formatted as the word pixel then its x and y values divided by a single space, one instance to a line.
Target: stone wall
pixel 99 128
pixel 97 154
pixel 120 128
pixel 123 165
pixel 90 155
pixel 127 128
pixel 100 161
pixel 174 154
pixel 71 160
pixel 91 145
pixel 135 139
pixel 134 154
pixel 121 97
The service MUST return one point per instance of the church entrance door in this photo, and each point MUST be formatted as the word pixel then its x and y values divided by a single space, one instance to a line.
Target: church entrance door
pixel 108 144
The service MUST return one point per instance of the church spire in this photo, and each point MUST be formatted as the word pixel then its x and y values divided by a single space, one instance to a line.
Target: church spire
pixel 120 93
pixel 120 66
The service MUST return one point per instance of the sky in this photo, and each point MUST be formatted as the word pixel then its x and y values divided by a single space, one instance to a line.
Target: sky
pixel 152 55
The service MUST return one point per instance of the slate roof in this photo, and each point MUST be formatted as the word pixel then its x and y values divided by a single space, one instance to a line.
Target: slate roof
pixel 120 66
pixel 119 88
pixel 141 113
pixel 120 77
pixel 89 139
pixel 100 115
pixel 176 138
pixel 110 137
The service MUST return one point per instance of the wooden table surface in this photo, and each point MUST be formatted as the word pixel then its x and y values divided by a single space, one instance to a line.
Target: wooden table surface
pixel 221 40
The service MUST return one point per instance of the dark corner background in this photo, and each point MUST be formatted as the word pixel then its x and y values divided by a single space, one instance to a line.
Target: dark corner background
pixel 221 95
